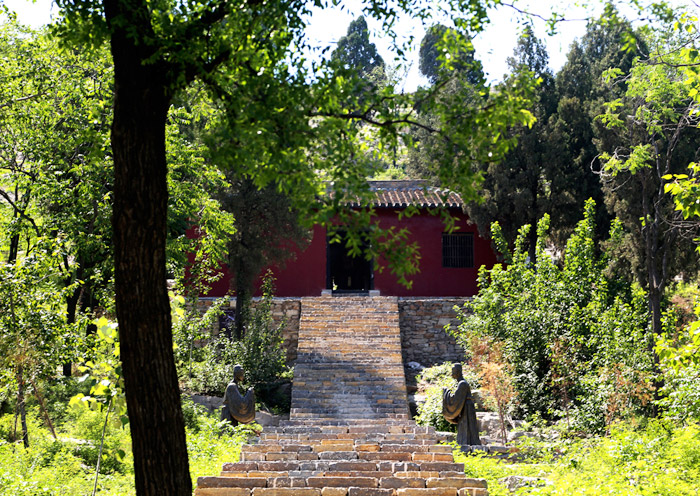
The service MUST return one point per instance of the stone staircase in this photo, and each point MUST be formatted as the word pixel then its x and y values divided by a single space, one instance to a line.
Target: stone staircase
pixel 349 432
pixel 349 363
pixel 360 458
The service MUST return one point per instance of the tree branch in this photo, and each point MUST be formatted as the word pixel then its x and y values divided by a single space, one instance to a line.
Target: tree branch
pixel 19 210
pixel 21 99
pixel 364 116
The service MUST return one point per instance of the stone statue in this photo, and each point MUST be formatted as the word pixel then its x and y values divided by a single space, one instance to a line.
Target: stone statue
pixel 458 408
pixel 237 407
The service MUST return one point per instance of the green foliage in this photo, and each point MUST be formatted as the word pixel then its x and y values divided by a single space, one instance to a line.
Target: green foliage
pixel 262 355
pixel 650 136
pixel 55 162
pixel 659 459
pixel 260 352
pixel 356 53
pixel 207 448
pixel 103 374
pixel 678 349
pixel 563 321
pixel 268 232
pixel 532 178
pixel 192 181
pixel 437 58
pixel 493 470
pixel 66 467
pixel 88 426
pixel 34 337
pixel 57 468
pixel 431 382
pixel 190 330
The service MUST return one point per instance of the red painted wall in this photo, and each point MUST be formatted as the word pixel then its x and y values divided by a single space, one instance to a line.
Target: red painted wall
pixel 306 275
pixel 433 279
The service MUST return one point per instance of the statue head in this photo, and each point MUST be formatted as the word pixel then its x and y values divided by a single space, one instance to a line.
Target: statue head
pixel 238 373
pixel 457 371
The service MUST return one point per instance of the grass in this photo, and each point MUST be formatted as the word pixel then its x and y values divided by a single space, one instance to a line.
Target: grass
pixel 656 459
pixel 67 466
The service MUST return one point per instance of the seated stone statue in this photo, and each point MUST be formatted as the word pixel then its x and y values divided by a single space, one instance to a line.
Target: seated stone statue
pixel 458 408
pixel 237 407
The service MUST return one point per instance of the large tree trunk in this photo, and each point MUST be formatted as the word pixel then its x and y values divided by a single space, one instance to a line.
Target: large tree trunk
pixel 142 98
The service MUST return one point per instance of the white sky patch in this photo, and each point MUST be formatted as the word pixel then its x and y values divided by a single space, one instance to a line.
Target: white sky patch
pixel 493 46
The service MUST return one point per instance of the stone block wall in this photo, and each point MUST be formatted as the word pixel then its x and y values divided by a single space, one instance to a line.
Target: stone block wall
pixel 423 338
pixel 422 322
pixel 283 309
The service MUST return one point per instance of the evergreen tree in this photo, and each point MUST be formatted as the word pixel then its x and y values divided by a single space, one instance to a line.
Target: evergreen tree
pixel 525 186
pixel 267 232
pixel 436 62
pixel 356 54
pixel 457 80
pixel 609 41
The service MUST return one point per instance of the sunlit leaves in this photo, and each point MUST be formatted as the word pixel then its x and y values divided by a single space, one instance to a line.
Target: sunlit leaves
pixel 534 306
pixel 103 374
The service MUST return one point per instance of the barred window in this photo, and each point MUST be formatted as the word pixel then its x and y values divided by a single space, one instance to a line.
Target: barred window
pixel 458 250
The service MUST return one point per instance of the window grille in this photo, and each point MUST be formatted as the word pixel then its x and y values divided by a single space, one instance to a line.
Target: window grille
pixel 458 250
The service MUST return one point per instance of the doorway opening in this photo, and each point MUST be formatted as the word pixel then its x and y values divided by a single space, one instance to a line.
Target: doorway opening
pixel 345 273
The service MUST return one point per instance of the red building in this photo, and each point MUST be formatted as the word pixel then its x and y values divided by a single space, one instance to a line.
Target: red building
pixel 449 261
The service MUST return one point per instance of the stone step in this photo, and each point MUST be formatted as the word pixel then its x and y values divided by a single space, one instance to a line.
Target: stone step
pixel 391 483
pixel 322 445
pixel 395 462
pixel 349 362
pixel 352 491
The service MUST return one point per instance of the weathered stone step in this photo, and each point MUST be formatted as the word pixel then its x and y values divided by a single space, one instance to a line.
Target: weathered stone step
pixel 352 491
pixel 350 425
pixel 395 462
pixel 391 483
pixel 322 445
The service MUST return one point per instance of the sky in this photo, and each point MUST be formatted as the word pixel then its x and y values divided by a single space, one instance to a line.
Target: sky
pixel 493 46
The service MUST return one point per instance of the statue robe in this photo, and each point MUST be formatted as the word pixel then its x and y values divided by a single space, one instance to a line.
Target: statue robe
pixel 458 408
pixel 238 408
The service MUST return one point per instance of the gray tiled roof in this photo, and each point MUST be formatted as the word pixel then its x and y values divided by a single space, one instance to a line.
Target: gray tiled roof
pixel 401 193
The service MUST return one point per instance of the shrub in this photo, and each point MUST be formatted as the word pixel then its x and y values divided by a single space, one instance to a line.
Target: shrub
pixel 259 352
pixel 87 425
pixel 562 327
pixel 432 380
pixel 658 459
pixel 679 353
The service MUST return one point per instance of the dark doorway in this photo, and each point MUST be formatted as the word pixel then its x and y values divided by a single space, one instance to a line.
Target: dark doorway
pixel 345 273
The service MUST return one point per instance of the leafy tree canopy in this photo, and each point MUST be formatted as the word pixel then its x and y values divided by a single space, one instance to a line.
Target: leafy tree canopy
pixel 437 59
pixel 356 53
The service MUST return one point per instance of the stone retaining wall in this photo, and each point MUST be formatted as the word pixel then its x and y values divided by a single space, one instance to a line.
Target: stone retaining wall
pixel 422 322
pixel 423 338
pixel 283 309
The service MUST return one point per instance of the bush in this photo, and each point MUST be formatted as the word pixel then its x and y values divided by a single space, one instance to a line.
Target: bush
pixel 562 327
pixel 431 382
pixel 260 352
pixel 679 353
pixel 658 459
pixel 211 443
pixel 52 468
pixel 87 425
